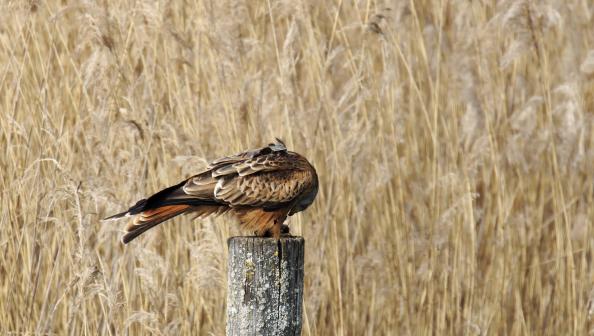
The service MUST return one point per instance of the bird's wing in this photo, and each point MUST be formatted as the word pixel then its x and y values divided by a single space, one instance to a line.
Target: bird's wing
pixel 201 186
pixel 269 179
pixel 276 147
pixel 263 162
pixel 233 158
pixel 270 189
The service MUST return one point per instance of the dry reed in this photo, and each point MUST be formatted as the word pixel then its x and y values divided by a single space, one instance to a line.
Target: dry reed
pixel 454 142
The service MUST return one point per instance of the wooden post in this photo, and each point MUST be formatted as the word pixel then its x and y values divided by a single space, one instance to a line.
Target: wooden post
pixel 265 286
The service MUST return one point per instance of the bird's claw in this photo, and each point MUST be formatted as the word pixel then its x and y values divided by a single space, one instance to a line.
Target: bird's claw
pixel 285 231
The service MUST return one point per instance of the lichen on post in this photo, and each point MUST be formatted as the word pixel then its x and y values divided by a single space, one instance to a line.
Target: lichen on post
pixel 265 286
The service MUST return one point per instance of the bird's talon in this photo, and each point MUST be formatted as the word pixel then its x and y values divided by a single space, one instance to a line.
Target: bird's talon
pixel 285 230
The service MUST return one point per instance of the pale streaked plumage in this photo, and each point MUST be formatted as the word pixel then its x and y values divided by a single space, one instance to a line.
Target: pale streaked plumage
pixel 261 187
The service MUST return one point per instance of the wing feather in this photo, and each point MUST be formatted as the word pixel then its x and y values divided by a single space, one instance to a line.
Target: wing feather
pixel 267 177
pixel 201 185
pixel 267 189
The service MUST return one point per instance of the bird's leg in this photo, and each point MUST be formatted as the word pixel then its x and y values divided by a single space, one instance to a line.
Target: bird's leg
pixel 277 230
pixel 285 230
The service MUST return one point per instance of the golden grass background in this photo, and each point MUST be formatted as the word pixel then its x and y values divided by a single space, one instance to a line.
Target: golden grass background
pixel 454 142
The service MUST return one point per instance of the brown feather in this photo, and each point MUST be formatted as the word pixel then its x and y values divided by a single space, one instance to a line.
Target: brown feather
pixel 208 210
pixel 260 221
pixel 148 219
pixel 261 187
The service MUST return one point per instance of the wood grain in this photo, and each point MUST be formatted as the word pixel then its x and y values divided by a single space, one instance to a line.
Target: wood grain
pixel 265 286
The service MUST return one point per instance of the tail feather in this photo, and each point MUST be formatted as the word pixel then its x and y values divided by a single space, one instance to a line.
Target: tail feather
pixel 167 196
pixel 162 206
pixel 148 219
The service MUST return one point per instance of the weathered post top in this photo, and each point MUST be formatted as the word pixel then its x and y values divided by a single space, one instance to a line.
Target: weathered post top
pixel 265 286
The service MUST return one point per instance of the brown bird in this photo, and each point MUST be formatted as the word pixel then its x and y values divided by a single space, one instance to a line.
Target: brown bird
pixel 261 187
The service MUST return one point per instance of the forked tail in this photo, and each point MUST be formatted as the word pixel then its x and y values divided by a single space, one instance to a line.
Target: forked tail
pixel 162 206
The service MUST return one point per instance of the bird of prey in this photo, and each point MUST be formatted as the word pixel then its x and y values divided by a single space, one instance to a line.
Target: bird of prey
pixel 261 187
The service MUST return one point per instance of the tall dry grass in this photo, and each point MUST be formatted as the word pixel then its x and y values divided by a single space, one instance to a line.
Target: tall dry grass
pixel 454 142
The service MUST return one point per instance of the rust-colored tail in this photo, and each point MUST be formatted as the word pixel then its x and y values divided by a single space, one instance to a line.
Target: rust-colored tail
pixel 149 218
pixel 162 206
